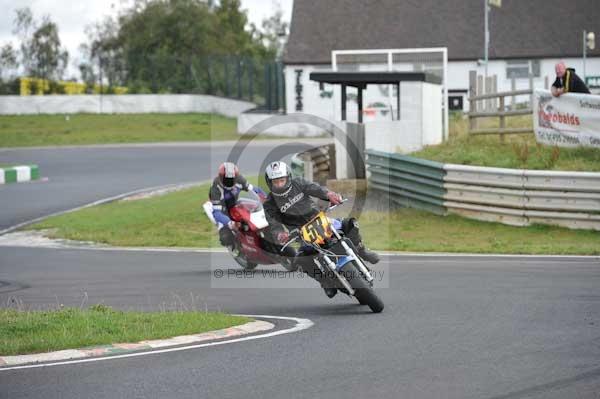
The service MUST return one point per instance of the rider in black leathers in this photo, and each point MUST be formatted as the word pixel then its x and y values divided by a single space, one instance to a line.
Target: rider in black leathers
pixel 289 205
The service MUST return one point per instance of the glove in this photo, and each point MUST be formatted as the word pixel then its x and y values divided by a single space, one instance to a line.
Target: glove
pixel 334 198
pixel 283 237
pixel 261 194
pixel 259 191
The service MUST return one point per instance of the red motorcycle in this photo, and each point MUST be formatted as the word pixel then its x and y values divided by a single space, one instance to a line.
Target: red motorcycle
pixel 249 247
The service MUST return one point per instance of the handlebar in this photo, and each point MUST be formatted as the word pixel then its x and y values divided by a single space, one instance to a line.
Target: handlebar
pixel 344 200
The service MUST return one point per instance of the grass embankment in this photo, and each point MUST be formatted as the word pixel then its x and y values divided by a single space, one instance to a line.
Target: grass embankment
pixel 418 231
pixel 177 220
pixel 82 129
pixel 517 151
pixel 24 332
pixel 172 220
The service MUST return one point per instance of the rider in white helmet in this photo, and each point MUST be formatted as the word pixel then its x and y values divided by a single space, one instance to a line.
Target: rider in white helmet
pixel 289 204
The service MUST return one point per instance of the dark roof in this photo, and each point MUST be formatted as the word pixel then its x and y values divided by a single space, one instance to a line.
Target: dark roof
pixel 363 78
pixel 520 29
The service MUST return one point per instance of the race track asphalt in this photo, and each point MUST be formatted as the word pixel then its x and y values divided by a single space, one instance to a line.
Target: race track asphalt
pixel 78 176
pixel 453 326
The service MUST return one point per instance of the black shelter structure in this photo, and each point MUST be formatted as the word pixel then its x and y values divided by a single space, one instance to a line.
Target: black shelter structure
pixel 360 80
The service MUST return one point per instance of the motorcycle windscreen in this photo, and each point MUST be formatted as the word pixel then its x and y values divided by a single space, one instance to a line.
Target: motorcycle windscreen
pixel 258 219
pixel 249 200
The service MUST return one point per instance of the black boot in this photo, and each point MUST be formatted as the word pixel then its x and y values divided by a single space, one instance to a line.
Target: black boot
pixel 351 230
pixel 330 291
pixel 366 254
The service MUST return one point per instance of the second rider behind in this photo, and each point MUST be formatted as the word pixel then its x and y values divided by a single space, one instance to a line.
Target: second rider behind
pixel 223 195
pixel 289 204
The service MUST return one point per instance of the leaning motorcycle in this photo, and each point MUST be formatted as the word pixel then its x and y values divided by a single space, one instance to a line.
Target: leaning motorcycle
pixel 336 257
pixel 249 216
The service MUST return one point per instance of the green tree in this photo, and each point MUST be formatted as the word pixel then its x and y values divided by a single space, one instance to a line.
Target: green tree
pixel 275 31
pixel 230 36
pixel 9 83
pixel 8 61
pixel 160 38
pixel 103 54
pixel 41 52
pixel 23 23
pixel 179 46
pixel 88 75
pixel 49 59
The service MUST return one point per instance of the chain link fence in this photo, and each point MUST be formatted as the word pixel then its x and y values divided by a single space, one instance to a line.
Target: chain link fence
pixel 244 78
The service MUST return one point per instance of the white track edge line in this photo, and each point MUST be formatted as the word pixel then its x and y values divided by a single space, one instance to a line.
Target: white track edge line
pixel 386 253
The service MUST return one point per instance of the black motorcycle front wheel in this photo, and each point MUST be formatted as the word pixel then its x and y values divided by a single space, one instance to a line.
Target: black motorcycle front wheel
pixel 363 292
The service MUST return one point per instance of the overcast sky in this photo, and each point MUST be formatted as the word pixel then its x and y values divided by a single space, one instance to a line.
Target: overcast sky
pixel 72 16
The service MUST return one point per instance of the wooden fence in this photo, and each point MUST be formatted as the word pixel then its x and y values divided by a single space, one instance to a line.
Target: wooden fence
pixel 485 102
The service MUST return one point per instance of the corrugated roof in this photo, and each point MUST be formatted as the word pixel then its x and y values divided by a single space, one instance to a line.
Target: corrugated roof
pixel 520 29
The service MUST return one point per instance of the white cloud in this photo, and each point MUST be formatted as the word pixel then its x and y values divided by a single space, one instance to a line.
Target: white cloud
pixel 261 9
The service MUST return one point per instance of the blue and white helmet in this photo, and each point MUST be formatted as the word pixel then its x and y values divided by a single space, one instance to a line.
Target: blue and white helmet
pixel 277 170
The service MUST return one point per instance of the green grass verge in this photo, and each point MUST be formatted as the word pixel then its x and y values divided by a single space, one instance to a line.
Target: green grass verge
pixel 82 129
pixel 517 151
pixel 177 220
pixel 24 332
pixel 172 220
pixel 418 231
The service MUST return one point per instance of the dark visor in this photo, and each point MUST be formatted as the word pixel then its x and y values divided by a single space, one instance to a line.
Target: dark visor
pixel 228 181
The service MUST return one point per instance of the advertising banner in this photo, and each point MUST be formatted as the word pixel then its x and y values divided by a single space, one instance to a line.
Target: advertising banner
pixel 570 120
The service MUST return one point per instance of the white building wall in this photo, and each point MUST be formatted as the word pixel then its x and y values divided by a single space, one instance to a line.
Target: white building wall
pixel 420 123
pixel 420 110
pixel 459 72
pixel 458 79
pixel 326 103
pixel 432 131
pixel 311 100
pixel 247 121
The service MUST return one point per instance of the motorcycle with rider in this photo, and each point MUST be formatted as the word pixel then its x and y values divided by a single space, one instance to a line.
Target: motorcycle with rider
pixel 235 208
pixel 332 251
pixel 260 229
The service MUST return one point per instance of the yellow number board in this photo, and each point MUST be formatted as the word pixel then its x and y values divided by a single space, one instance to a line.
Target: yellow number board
pixel 318 230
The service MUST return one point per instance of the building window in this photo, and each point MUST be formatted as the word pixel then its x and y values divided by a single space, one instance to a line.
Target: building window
pixel 455 102
pixel 520 68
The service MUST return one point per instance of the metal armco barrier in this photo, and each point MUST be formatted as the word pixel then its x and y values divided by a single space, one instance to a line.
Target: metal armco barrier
pixel 509 196
pixel 409 181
